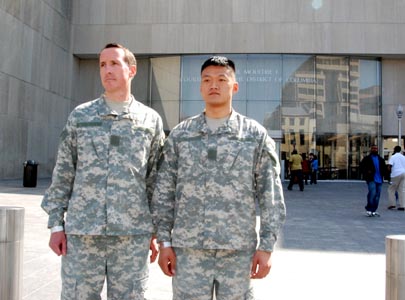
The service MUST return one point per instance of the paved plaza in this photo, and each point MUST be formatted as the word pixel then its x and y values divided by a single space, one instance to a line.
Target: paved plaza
pixel 328 248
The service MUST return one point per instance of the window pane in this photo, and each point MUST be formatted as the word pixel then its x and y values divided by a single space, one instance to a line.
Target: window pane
pixel 298 78
pixel 165 89
pixel 239 106
pixel 191 108
pixel 332 102
pixel 263 77
pixel 364 96
pixel 265 112
pixel 332 156
pixel 190 77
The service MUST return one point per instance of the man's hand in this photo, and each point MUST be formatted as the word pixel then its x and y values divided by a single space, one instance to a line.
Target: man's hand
pixel 261 264
pixel 167 261
pixel 154 248
pixel 57 242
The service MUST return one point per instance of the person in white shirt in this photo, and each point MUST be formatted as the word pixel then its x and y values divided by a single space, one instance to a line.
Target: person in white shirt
pixel 396 165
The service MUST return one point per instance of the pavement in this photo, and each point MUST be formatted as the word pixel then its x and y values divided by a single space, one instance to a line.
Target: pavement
pixel 328 248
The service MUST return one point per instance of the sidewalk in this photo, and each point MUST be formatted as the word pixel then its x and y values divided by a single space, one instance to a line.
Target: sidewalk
pixel 328 248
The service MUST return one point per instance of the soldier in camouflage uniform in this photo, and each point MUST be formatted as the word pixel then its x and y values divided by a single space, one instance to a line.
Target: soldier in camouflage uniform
pixel 215 166
pixel 102 184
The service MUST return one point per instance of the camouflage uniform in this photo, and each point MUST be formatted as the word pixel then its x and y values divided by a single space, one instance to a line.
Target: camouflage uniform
pixel 198 272
pixel 105 171
pixel 88 256
pixel 208 183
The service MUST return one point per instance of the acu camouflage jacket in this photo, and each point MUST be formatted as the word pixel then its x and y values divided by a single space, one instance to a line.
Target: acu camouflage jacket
pixel 105 170
pixel 208 184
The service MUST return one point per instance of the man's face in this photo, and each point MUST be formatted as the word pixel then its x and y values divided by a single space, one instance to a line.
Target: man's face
pixel 115 73
pixel 374 150
pixel 217 86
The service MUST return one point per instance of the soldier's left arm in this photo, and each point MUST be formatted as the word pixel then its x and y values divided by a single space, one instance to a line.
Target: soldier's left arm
pixel 154 158
pixel 269 192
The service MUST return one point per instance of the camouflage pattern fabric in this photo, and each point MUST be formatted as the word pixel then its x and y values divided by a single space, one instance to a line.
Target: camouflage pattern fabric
pixel 89 257
pixel 227 271
pixel 105 170
pixel 208 183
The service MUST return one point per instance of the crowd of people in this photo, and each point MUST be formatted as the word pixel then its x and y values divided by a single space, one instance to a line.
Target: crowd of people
pixel 374 171
pixel 301 169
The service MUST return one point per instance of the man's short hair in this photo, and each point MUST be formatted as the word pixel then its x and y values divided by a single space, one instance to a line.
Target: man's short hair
pixel 397 149
pixel 129 57
pixel 221 61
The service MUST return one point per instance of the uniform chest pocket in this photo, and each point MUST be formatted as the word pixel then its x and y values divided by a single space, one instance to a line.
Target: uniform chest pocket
pixel 236 156
pixel 92 141
pixel 135 146
pixel 191 157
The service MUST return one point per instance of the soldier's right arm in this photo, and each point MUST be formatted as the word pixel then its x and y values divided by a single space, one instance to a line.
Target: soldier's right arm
pixel 56 198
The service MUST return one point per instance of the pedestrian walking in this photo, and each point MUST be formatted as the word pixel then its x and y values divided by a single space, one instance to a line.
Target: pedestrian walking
pixel 374 169
pixel 396 190
pixel 296 171
pixel 306 168
pixel 314 168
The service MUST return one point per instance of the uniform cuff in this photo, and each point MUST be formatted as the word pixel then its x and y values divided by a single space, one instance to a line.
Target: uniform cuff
pixel 57 229
pixel 165 244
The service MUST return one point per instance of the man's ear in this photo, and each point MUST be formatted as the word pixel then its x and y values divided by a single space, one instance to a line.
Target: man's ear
pixel 235 87
pixel 132 71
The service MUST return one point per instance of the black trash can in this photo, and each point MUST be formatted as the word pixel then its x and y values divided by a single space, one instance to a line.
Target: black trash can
pixel 30 173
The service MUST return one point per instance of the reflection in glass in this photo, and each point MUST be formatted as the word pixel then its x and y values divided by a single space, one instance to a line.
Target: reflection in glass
pixel 191 108
pixel 267 113
pixel 333 98
pixel 263 77
pixel 165 88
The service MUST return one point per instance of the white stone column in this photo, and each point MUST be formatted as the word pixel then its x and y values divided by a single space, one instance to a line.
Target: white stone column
pixel 395 267
pixel 11 252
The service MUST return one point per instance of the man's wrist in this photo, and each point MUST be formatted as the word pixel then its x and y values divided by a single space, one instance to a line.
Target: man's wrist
pixel 165 244
pixel 57 229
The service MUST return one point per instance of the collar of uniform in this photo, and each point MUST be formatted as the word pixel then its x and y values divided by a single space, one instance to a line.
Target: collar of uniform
pixel 230 126
pixel 202 126
pixel 134 107
pixel 233 121
pixel 105 110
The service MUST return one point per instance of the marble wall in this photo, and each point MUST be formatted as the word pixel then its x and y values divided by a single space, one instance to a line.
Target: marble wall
pixel 36 68
pixel 241 26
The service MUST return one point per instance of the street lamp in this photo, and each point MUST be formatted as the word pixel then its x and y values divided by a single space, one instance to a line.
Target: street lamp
pixel 400 112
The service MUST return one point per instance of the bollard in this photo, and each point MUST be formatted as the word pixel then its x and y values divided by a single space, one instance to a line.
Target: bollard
pixel 395 267
pixel 11 252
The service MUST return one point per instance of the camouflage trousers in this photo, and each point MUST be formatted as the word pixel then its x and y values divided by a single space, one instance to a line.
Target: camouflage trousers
pixel 120 260
pixel 200 274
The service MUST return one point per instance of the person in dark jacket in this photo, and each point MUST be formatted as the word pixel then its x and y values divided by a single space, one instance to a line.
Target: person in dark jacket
pixel 373 169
